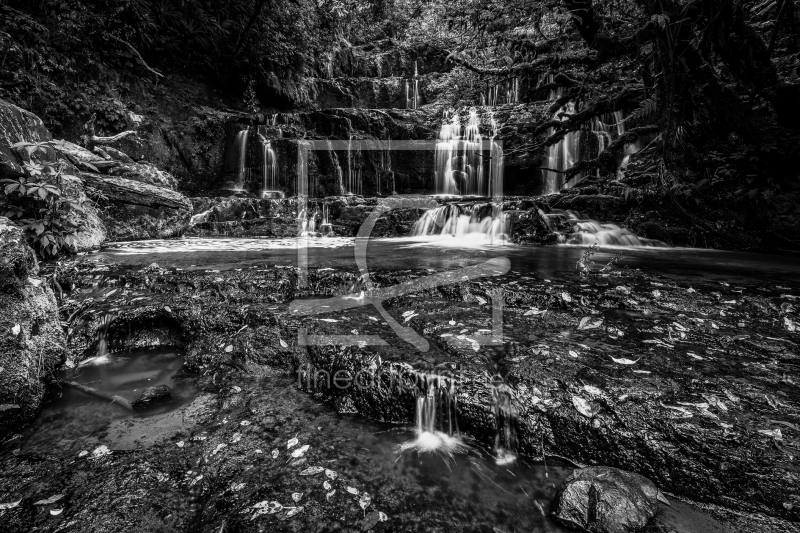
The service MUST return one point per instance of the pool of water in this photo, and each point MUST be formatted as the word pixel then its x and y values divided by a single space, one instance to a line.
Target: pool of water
pixel 72 421
pixel 411 253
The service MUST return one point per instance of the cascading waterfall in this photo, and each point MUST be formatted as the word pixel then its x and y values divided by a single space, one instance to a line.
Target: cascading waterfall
pixel 354 185
pixel 573 228
pixel 436 421
pixel 412 90
pixel 504 92
pixel 469 222
pixel 563 154
pixel 460 160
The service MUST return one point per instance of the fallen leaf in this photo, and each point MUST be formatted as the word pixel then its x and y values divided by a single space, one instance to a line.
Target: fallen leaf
pixel 50 500
pixel 244 423
pixel 300 452
pixel 16 329
pixel 229 348
pixel 331 474
pixel 583 407
pixel 370 521
pixel 566 297
pixel 352 490
pixel 219 448
pixel 284 343
pixel 297 496
pixel 327 485
pixel 236 487
pixel 275 453
pixel 573 353
pixel 56 512
pixel 266 507
pixel 623 361
pixel 100 451
pixel 365 500
pixel 291 443
pixel 591 389
pixel 293 511
pixel 312 470
pixel 236 437
pixel 181 444
pixel 330 494
pixel 774 433
pixel 9 505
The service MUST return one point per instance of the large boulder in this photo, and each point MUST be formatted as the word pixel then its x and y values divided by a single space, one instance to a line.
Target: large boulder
pixel 17 125
pixel 32 343
pixel 606 500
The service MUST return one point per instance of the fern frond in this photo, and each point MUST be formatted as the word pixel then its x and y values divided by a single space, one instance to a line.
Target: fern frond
pixel 646 108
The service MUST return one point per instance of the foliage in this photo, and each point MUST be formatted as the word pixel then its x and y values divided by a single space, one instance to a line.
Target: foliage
pixel 39 202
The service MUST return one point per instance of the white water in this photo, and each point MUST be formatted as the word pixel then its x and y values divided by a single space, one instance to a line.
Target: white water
pixel 269 169
pixel 463 166
pixel 585 231
pixel 463 224
pixel 241 159
pixel 436 422
pixel 563 154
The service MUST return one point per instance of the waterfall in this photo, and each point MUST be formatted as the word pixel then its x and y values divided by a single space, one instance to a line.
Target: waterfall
pixel 416 86
pixel 337 167
pixel 573 228
pixel 269 170
pixel 354 185
pixel 563 154
pixel 466 223
pixel 308 222
pixel 506 420
pixel 241 159
pixel 436 420
pixel 460 159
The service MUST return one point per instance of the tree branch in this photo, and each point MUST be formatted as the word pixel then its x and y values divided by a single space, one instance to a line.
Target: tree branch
pixel 156 73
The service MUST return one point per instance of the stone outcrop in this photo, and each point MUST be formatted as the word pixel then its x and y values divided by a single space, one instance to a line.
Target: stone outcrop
pixel 606 500
pixel 32 343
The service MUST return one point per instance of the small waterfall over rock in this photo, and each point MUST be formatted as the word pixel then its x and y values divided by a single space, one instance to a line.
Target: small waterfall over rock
pixel 436 420
pixel 572 228
pixel 468 222
pixel 506 420
pixel 504 92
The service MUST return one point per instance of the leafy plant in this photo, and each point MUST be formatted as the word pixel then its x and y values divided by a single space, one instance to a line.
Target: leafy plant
pixel 39 202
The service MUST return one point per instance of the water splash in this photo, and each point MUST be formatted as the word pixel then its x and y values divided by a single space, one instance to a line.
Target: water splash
pixel 436 420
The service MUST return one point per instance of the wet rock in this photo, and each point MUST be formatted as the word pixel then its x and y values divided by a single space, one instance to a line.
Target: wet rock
pixel 152 397
pixel 31 339
pixel 606 500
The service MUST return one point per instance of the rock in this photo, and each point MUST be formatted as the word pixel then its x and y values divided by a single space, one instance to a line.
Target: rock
pixel 91 232
pixel 151 397
pixel 17 125
pixel 32 343
pixel 127 191
pixel 113 162
pixel 606 500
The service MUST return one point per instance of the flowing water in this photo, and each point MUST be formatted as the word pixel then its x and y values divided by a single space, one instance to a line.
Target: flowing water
pixel 546 262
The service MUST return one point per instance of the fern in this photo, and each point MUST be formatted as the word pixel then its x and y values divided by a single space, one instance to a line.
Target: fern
pixel 646 108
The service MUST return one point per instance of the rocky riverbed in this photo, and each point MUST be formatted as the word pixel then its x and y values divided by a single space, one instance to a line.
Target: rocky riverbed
pixel 688 381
